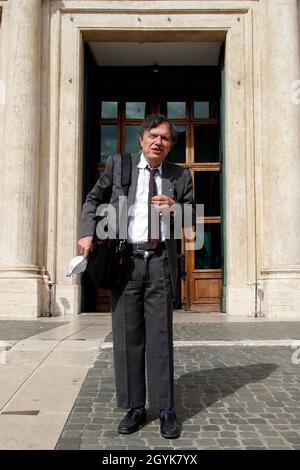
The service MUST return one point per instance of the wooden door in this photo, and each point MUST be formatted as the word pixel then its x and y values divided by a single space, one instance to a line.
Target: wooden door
pixel 121 110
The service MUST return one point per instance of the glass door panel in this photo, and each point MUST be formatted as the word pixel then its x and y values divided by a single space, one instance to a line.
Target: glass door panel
pixel 209 256
pixel 109 109
pixel 207 191
pixel 206 143
pixel 135 110
pixel 131 139
pixel 178 152
pixel 176 109
pixel 109 141
pixel 201 110
pixel 205 109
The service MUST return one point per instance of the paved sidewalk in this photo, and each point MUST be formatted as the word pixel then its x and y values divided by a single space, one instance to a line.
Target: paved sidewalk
pixel 41 376
pixel 236 387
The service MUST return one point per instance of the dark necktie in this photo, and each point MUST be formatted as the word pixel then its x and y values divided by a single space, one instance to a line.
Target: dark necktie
pixel 153 222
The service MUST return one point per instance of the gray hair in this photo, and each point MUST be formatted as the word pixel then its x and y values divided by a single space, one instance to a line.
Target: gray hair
pixel 154 120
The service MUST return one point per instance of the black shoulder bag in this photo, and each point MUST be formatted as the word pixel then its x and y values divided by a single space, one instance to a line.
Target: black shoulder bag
pixel 105 261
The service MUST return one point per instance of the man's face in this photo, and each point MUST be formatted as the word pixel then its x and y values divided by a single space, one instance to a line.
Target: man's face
pixel 156 144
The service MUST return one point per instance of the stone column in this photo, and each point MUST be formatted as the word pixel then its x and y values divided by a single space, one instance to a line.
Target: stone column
pixel 281 165
pixel 19 273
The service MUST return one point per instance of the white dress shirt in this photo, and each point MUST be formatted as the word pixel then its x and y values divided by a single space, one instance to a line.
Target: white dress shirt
pixel 138 213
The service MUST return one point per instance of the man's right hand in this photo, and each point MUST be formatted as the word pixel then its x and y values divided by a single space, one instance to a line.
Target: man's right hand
pixel 85 245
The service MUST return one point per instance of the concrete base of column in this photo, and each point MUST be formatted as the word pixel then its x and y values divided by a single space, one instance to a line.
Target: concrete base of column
pixel 279 294
pixel 25 294
pixel 240 300
pixel 21 298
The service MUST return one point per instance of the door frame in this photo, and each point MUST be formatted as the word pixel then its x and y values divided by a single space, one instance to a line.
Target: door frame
pixel 72 27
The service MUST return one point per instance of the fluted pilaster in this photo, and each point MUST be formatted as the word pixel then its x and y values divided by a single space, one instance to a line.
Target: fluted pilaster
pixel 20 166
pixel 281 160
pixel 20 278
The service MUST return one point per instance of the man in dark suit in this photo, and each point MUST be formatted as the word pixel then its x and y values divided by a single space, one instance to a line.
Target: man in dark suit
pixel 142 304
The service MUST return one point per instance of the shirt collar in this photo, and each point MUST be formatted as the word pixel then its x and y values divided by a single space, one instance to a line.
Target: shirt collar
pixel 143 164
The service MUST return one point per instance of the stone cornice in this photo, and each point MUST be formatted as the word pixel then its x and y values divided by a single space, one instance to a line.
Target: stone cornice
pixel 171 7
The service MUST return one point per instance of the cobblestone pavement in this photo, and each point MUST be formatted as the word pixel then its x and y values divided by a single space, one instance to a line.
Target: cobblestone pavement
pixel 228 397
pixel 234 331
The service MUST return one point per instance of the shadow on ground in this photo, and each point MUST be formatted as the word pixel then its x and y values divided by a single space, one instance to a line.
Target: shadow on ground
pixel 198 390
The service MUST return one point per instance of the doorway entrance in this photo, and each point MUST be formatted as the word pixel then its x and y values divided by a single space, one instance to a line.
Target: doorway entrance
pixel 116 102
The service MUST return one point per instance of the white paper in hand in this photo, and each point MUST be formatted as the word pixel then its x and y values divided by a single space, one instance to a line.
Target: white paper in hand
pixel 76 266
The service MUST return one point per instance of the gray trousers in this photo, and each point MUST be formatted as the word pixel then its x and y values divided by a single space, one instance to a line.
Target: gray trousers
pixel 142 327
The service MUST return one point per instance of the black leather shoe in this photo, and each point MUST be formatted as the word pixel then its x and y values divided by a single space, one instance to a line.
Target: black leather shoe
pixel 168 425
pixel 133 421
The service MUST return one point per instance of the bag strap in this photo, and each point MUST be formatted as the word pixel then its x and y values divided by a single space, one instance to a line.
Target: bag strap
pixel 126 172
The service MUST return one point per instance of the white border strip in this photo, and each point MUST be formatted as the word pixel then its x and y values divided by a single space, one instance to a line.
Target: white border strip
pixel 244 342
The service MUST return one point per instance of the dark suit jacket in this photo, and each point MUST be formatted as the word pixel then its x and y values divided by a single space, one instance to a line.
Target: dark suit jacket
pixel 176 182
